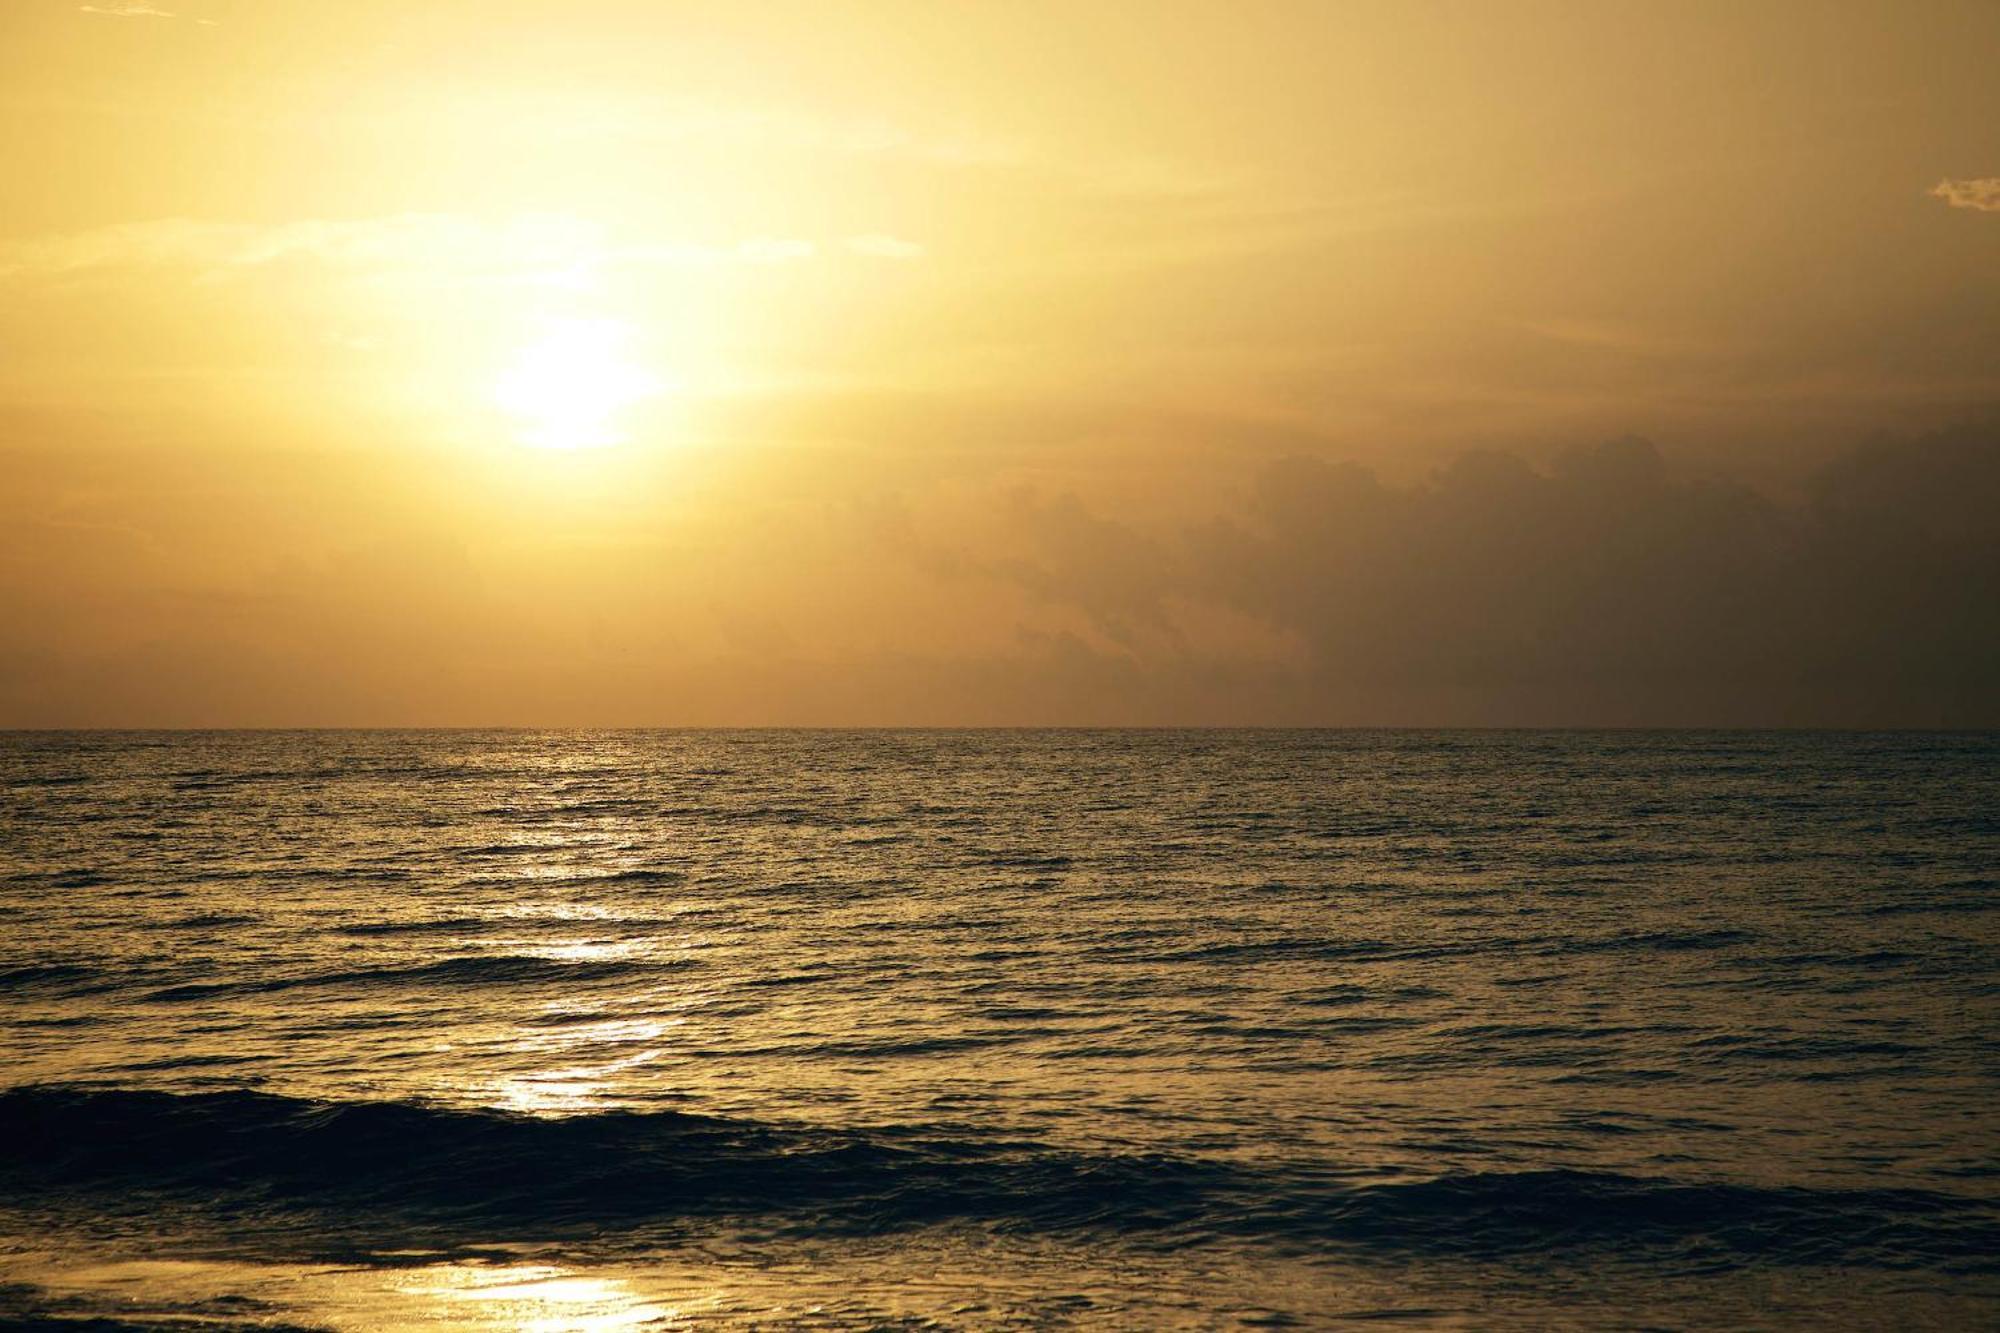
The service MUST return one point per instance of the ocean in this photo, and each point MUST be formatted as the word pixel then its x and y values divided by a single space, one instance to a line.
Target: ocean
pixel 999 1029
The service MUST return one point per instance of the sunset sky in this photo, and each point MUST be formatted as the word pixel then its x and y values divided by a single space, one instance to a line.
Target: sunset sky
pixel 606 362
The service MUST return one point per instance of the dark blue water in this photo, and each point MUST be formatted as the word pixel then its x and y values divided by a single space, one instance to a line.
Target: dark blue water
pixel 975 1029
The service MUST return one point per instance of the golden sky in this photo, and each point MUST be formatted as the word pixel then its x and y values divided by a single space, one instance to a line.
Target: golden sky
pixel 598 361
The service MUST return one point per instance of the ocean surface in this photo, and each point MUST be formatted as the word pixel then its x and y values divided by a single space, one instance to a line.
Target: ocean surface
pixel 597 1030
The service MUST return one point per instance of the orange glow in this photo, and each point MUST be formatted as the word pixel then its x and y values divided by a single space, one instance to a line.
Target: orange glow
pixel 935 343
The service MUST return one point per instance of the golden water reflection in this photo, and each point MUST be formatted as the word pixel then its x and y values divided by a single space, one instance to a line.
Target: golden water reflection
pixel 550 1070
pixel 538 1298
pixel 448 1296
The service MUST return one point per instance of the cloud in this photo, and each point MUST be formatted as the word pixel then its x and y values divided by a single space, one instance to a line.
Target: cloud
pixel 764 127
pixel 1605 589
pixel 1981 194
pixel 525 247
pixel 878 246
pixel 135 10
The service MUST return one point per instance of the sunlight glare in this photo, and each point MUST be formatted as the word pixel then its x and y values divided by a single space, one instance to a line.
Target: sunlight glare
pixel 569 386
pixel 543 1298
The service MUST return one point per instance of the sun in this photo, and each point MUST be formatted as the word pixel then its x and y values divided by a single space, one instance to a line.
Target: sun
pixel 571 384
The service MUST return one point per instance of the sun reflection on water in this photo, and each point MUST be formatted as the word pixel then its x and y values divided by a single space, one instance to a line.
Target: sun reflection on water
pixel 540 1298
pixel 563 1084
pixel 574 951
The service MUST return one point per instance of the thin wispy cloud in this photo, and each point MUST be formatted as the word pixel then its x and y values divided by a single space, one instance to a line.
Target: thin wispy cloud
pixel 1981 194
pixel 139 10
pixel 879 246
pixel 443 245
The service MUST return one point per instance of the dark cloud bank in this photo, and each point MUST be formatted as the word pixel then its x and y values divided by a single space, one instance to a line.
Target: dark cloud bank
pixel 1608 587
pixel 1602 590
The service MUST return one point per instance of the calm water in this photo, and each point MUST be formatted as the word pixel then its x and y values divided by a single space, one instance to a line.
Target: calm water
pixel 1151 1029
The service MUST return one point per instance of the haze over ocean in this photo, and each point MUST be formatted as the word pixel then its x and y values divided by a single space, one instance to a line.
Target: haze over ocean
pixel 1175 1029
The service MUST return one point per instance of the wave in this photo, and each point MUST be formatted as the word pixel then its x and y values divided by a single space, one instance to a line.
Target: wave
pixel 1361 950
pixel 448 925
pixel 481 970
pixel 364 1169
pixel 64 979
pixel 201 921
